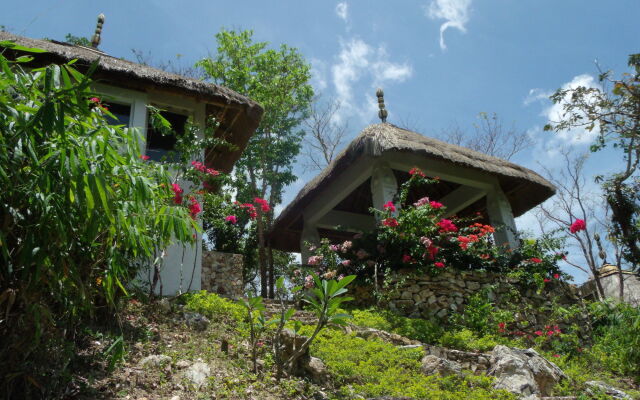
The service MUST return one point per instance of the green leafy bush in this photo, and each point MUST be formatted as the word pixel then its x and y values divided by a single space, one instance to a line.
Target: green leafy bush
pixel 413 328
pixel 79 212
pixel 617 338
pixel 214 307
pixel 373 368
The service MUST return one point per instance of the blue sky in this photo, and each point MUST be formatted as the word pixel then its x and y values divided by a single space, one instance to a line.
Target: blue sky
pixel 502 56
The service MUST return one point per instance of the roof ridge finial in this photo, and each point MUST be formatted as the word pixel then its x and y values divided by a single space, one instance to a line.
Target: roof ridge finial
pixel 382 114
pixel 95 40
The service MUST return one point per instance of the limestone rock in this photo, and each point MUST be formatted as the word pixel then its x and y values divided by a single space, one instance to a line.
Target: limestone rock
pixel 198 373
pixel 316 370
pixel 432 365
pixel 155 360
pixel 523 372
pixel 607 389
pixel 196 321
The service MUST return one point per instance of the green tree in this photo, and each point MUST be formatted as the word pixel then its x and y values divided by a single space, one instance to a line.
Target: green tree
pixel 279 80
pixel 79 211
pixel 614 111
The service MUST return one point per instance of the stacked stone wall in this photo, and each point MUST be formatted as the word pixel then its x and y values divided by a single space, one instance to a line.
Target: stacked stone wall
pixel 438 297
pixel 222 274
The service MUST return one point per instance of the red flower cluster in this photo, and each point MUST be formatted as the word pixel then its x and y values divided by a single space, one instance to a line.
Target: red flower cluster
pixel 390 222
pixel 264 205
pixel 483 229
pixel 144 158
pixel 231 218
pixel 501 327
pixel 251 209
pixel 389 206
pixel 535 260
pixel 465 240
pixel 203 168
pixel 407 259
pixel 435 204
pixel 177 193
pixel 446 225
pixel 439 264
pixel 577 226
pixel 194 207
pixel 416 171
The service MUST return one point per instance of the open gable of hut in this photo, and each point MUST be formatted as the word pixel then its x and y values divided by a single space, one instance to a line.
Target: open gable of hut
pixel 369 171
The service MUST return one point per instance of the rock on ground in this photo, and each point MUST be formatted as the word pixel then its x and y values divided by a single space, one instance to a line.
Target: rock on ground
pixel 198 373
pixel 432 365
pixel 154 360
pixel 608 389
pixel 523 372
pixel 196 321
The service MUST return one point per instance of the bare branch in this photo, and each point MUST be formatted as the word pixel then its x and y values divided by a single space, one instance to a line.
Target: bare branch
pixel 324 134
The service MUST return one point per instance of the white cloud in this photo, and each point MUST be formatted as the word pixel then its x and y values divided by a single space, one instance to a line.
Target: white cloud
pixel 318 74
pixel 342 11
pixel 454 12
pixel 549 144
pixel 357 63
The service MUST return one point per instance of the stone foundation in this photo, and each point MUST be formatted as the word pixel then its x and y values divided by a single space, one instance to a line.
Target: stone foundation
pixel 438 297
pixel 222 274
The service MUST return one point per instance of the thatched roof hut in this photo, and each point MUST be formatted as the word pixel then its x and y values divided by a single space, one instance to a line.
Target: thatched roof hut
pixel 238 115
pixel 368 172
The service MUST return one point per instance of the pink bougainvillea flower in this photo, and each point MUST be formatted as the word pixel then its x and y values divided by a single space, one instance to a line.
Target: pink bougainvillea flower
pixel 212 172
pixel 346 263
pixel 407 259
pixel 446 225
pixel 556 355
pixel 308 282
pixel 433 251
pixel 389 206
pixel 426 242
pixel 390 222
pixel 435 204
pixel 231 218
pixel 144 158
pixel 177 193
pixel 194 207
pixel 439 264
pixel 346 245
pixel 416 171
pixel 538 333
pixel 334 247
pixel 421 202
pixel 501 327
pixel 264 205
pixel 549 333
pixel 577 226
pixel 546 280
pixel 535 260
pixel 314 260
pixel 556 276
pixel 95 100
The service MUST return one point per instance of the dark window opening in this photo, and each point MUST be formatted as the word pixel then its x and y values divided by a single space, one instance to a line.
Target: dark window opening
pixel 121 112
pixel 159 145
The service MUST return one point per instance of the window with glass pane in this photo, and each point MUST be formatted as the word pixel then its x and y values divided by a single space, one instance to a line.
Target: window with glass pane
pixel 159 145
pixel 121 112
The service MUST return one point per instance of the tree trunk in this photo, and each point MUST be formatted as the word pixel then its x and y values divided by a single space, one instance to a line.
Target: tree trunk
pixel 261 255
pixel 271 273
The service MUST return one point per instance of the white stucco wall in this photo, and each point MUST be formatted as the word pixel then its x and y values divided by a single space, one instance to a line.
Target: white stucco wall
pixel 181 265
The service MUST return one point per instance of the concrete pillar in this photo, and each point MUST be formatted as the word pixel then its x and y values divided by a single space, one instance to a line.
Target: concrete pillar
pixel 383 185
pixel 501 217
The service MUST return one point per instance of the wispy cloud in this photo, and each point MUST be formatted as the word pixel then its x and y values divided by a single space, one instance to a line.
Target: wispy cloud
pixel 342 11
pixel 549 144
pixel 360 63
pixel 454 12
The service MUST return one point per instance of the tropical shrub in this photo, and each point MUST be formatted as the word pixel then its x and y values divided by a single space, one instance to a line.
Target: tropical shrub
pixel 373 368
pixel 80 211
pixel 416 235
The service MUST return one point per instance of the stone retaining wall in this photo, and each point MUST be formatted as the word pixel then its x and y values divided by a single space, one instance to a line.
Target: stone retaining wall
pixel 222 274
pixel 437 297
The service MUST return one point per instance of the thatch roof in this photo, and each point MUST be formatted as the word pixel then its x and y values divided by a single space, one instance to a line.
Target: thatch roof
pixel 242 113
pixel 523 187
